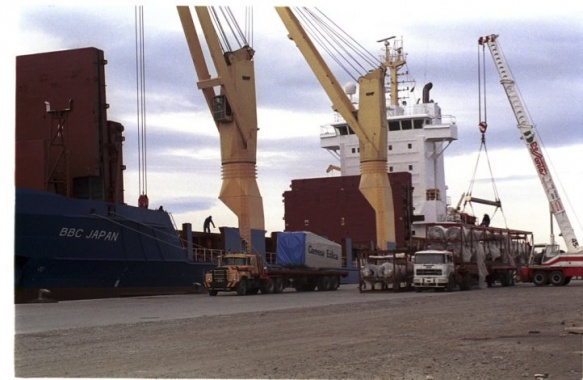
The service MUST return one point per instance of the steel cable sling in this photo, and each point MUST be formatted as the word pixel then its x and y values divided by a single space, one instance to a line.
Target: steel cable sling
pixel 483 126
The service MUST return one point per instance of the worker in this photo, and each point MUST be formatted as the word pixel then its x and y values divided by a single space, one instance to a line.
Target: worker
pixel 207 224
pixel 485 221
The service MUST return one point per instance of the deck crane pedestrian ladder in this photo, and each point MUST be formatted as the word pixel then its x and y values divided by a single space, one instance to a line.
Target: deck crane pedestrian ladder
pixel 553 266
pixel 234 111
pixel 369 123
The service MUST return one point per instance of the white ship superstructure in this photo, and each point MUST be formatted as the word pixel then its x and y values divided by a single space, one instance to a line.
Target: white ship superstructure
pixel 417 138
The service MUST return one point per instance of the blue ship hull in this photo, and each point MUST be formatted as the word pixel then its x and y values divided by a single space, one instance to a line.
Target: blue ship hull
pixel 92 249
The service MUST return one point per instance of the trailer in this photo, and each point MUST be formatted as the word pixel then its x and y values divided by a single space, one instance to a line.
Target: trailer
pixel 390 270
pixel 304 262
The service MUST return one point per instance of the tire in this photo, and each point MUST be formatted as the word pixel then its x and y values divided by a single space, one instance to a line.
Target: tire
pixel 242 287
pixel 557 278
pixel 450 284
pixel 334 282
pixel 268 287
pixel 540 278
pixel 323 283
pixel 277 285
pixel 465 284
pixel 507 278
pixel 567 280
pixel 213 293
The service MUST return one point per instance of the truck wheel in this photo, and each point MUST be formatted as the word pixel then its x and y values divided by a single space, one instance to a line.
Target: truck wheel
pixel 213 293
pixel 450 284
pixel 277 285
pixel 507 278
pixel 334 282
pixel 242 287
pixel 323 283
pixel 557 278
pixel 539 278
pixel 466 282
pixel 567 280
pixel 267 287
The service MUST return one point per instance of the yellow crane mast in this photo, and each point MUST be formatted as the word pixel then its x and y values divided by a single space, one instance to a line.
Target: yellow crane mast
pixel 234 111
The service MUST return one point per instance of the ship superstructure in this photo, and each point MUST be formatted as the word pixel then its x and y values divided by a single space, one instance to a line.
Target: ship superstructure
pixel 417 137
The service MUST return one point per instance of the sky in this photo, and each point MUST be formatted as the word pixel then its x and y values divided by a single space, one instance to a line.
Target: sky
pixel 543 45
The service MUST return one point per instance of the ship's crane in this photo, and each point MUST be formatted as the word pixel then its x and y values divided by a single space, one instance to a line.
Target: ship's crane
pixel 528 135
pixel 369 123
pixel 234 111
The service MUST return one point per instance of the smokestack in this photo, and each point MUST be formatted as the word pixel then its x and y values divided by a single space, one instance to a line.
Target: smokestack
pixel 426 89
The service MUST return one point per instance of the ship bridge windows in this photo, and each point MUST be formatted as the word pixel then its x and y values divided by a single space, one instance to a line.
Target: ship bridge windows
pixel 343 130
pixel 408 124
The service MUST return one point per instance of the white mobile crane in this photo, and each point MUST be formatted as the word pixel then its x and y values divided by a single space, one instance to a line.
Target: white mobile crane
pixel 551 265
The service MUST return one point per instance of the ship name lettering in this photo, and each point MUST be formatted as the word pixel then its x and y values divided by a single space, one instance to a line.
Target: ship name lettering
pixel 93 234
pixel 102 235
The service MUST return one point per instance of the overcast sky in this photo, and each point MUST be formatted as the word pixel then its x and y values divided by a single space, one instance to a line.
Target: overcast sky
pixel 543 46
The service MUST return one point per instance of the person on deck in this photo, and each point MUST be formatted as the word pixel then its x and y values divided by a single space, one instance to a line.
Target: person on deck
pixel 207 224
pixel 485 221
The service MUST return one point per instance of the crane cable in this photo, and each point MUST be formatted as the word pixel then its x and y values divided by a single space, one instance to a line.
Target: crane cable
pixel 141 106
pixel 338 44
pixel 220 14
pixel 483 125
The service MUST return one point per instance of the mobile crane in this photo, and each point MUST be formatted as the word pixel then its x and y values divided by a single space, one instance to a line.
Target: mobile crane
pixel 549 265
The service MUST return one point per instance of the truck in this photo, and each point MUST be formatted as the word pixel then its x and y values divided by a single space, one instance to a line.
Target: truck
pixel 549 264
pixel 464 255
pixel 304 261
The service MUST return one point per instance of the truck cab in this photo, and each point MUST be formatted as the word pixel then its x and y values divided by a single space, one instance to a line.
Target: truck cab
pixel 238 272
pixel 433 269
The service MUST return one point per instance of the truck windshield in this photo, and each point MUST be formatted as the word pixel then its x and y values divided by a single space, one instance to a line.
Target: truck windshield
pixel 436 258
pixel 234 261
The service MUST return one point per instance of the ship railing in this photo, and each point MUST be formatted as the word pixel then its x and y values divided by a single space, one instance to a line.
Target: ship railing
pixel 206 255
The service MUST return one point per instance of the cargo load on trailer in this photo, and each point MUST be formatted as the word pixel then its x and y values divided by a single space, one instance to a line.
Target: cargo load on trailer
pixel 306 249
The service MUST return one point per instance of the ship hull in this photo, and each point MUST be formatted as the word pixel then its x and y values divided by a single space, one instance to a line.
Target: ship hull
pixel 92 249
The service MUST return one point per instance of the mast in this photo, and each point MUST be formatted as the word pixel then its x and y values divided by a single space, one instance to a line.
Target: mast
pixel 394 60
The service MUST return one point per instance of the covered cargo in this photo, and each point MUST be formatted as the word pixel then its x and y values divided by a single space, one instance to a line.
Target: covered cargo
pixel 306 249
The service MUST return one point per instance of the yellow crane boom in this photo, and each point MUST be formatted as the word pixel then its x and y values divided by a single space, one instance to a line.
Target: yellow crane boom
pixel 369 123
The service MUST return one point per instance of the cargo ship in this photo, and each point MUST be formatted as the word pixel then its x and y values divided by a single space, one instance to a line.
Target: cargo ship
pixel 74 235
